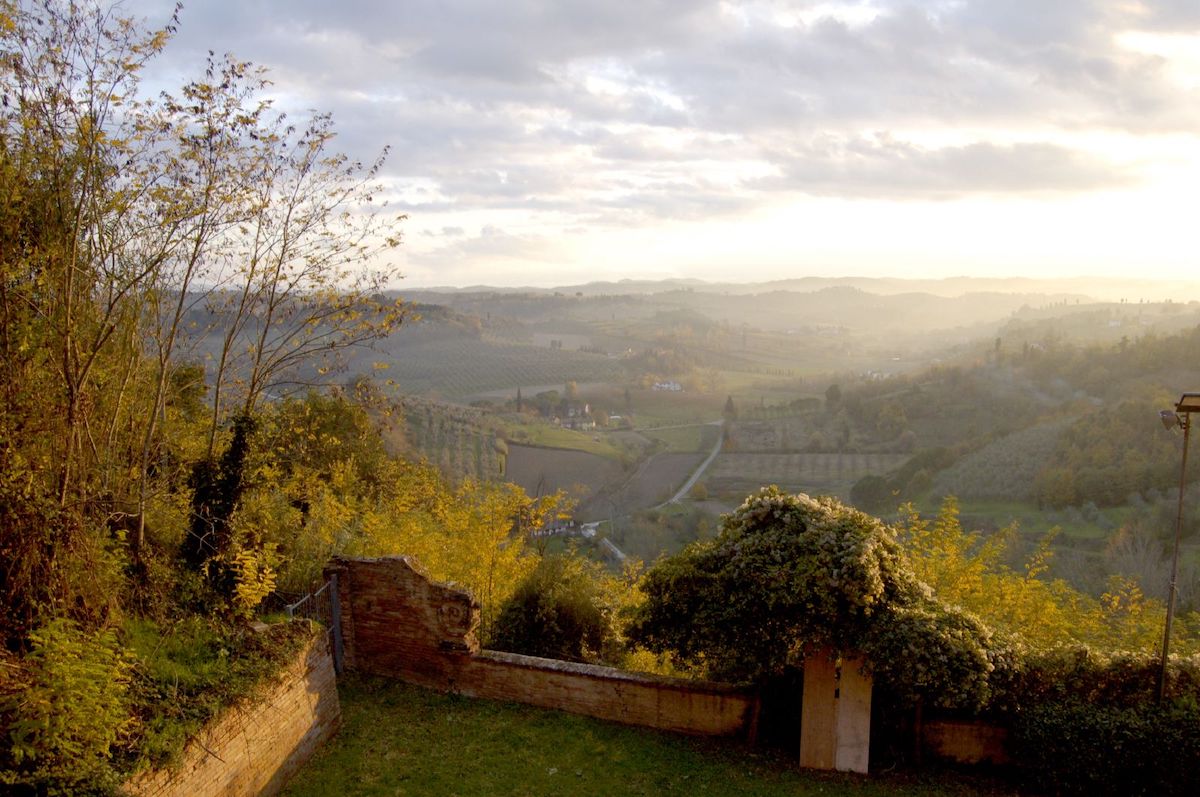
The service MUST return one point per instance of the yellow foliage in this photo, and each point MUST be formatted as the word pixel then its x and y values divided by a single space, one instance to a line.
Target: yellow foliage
pixel 964 568
pixel 322 486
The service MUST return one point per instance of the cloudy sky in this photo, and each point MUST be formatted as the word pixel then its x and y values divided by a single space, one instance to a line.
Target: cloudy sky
pixel 545 142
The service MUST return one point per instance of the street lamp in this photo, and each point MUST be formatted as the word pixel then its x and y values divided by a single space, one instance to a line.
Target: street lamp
pixel 1181 417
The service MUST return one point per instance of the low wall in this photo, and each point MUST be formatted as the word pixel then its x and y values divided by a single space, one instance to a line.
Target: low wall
pixel 398 623
pixel 965 741
pixel 254 749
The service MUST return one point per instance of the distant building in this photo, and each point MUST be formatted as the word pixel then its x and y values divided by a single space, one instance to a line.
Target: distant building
pixel 673 387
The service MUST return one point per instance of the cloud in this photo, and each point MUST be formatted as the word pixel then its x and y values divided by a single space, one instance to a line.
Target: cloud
pixel 882 166
pixel 589 112
pixel 491 243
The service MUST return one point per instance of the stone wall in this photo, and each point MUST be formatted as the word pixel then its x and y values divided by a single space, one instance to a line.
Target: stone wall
pixel 399 623
pixel 254 749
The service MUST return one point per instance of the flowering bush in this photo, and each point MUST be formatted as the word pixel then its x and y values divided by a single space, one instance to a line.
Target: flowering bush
pixel 789 572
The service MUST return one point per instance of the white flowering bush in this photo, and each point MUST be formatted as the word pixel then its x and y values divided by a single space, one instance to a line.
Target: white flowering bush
pixel 789 573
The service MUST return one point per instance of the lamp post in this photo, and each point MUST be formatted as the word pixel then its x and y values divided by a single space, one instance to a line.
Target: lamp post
pixel 1181 417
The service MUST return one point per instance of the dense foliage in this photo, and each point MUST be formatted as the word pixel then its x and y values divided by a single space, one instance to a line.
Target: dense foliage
pixel 1075 748
pixel 789 574
pixel 970 570
pixel 138 238
pixel 565 609
pixel 1109 455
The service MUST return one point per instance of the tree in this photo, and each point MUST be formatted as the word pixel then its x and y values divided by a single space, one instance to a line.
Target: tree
pixel 730 411
pixel 133 234
pixel 968 569
pixel 565 609
pixel 833 397
pixel 299 276
pixel 788 573
pixel 76 272
pixel 872 493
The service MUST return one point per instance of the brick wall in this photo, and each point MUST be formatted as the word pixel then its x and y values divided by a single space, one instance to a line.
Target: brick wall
pixel 254 749
pixel 965 741
pixel 399 623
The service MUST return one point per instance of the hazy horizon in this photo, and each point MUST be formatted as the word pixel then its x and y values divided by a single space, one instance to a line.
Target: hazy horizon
pixel 1100 289
pixel 551 143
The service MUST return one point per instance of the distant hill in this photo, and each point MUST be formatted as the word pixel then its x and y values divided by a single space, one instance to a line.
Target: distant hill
pixel 1084 287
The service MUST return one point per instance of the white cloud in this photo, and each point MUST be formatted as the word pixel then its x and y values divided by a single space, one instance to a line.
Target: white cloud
pixel 626 120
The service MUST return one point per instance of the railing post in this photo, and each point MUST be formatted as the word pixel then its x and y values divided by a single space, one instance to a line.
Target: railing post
pixel 335 610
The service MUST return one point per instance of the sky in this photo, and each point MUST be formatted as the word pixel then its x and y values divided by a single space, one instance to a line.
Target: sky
pixel 553 142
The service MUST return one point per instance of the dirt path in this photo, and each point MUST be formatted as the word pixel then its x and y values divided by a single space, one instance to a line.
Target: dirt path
pixel 675 499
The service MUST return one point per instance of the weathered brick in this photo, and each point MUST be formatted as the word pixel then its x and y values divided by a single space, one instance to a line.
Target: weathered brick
pixel 253 749
pixel 397 622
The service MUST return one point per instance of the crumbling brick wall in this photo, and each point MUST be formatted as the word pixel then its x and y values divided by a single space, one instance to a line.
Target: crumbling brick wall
pixel 397 622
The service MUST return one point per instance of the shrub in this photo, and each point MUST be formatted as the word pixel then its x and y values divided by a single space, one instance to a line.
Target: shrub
pixel 188 672
pixel 788 572
pixel 565 609
pixel 64 721
pixel 1083 748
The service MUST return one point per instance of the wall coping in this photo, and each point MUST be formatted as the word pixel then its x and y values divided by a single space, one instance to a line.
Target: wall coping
pixel 603 673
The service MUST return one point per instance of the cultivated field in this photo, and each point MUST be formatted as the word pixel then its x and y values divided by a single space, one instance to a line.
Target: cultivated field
pixel 655 481
pixel 1004 469
pixel 459 440
pixel 684 439
pixel 543 470
pixel 817 474
pixel 459 367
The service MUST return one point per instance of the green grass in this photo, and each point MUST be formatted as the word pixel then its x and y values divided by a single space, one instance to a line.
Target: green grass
pixel 539 433
pixel 401 740
pixel 684 440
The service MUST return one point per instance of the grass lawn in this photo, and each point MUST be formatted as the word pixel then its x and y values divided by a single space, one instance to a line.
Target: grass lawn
pixel 401 740
pixel 545 434
pixel 685 439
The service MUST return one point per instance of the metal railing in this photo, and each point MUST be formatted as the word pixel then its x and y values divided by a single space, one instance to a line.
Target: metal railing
pixel 322 606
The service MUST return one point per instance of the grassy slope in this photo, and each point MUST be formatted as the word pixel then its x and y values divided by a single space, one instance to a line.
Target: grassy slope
pixel 400 740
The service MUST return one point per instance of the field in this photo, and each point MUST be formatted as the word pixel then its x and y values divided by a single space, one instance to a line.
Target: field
pixel 818 474
pixel 663 408
pixel 401 740
pixel 543 470
pixel 543 433
pixel 684 439
pixel 461 367
pixel 655 481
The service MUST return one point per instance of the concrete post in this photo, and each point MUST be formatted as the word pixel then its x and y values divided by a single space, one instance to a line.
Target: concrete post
pixel 835 719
